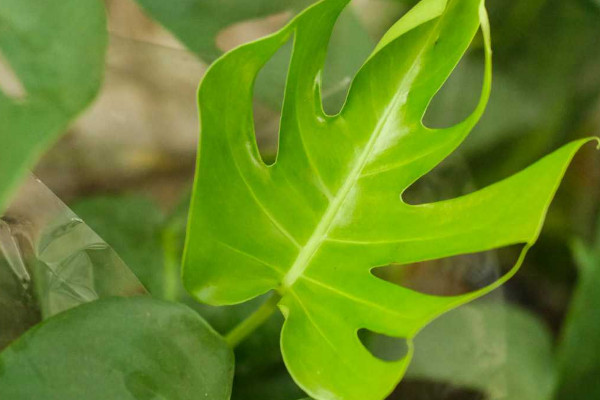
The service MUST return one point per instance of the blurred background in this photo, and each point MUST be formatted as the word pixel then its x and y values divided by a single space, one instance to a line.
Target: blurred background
pixel 126 165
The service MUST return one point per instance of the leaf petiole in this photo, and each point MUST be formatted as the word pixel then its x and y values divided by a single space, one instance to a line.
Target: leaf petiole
pixel 254 320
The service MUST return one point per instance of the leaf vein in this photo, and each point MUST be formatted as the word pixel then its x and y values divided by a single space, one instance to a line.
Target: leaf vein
pixel 324 189
pixel 252 256
pixel 353 298
pixel 321 230
pixel 344 359
pixel 262 206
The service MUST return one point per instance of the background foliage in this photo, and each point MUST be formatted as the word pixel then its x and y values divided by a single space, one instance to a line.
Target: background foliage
pixel 136 144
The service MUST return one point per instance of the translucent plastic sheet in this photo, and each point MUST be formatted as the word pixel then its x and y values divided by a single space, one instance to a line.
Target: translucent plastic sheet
pixel 50 261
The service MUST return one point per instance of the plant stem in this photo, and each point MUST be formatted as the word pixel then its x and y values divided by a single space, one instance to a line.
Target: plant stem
pixel 254 320
pixel 170 265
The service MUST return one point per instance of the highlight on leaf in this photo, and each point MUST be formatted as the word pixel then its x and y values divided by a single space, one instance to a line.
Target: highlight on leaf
pixel 313 225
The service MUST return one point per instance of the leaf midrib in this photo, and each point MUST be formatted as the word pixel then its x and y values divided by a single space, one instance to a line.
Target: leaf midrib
pixel 319 235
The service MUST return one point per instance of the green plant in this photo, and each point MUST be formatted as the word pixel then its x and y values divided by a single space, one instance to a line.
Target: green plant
pixel 579 351
pixel 534 368
pixel 134 354
pixel 309 228
pixel 197 24
pixel 312 225
pixel 56 49
pixel 500 350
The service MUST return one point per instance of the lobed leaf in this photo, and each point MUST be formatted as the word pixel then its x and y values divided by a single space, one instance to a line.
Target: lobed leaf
pixel 314 224
pixel 56 49
pixel 135 348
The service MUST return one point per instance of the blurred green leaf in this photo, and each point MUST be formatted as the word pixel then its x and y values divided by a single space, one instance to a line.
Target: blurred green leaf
pixel 313 225
pixel 579 347
pixel 132 226
pixel 548 50
pixel 499 349
pixel 56 49
pixel 458 97
pixel 198 22
pixel 151 245
pixel 136 348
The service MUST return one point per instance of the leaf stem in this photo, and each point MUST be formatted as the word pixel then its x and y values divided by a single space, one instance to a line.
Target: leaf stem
pixel 254 320
pixel 170 265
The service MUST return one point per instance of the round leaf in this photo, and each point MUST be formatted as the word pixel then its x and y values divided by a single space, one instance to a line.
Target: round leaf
pixel 137 348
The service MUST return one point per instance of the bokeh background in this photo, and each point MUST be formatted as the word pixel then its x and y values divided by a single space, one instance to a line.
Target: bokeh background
pixel 126 166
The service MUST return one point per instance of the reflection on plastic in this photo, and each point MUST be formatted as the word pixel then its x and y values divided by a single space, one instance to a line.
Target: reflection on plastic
pixel 50 261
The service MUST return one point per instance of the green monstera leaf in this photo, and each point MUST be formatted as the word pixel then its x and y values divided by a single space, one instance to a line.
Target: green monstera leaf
pixel 313 225
pixel 56 49
pixel 119 348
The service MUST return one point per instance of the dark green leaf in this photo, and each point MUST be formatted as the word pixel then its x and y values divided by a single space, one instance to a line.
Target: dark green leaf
pixel 151 245
pixel 136 348
pixel 579 348
pixel 56 49
pixel 314 224
pixel 501 350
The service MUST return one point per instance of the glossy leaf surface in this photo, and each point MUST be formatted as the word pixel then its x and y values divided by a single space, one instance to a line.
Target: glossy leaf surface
pixel 56 50
pixel 136 348
pixel 313 225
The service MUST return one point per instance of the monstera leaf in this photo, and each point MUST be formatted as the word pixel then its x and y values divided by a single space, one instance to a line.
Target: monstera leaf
pixel 119 348
pixel 315 223
pixel 56 49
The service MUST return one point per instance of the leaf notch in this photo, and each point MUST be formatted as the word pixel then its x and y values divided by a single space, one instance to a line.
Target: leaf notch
pixel 312 225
